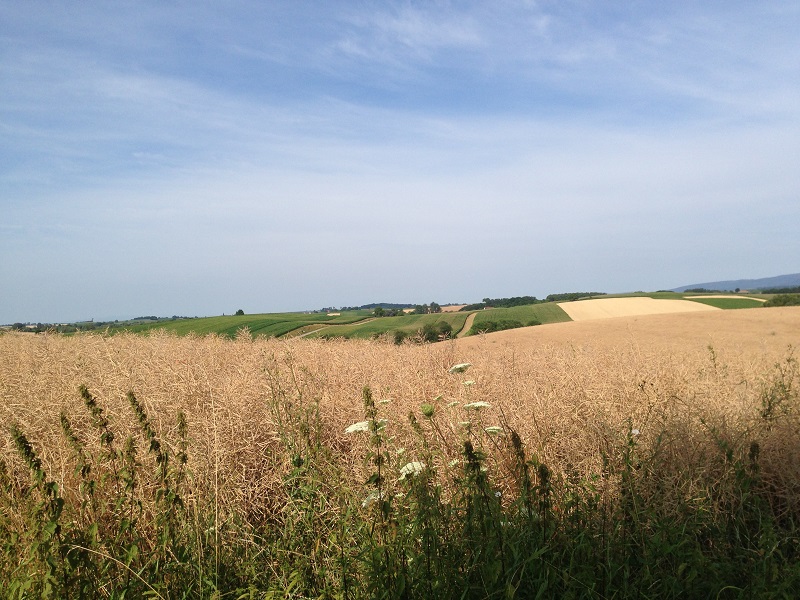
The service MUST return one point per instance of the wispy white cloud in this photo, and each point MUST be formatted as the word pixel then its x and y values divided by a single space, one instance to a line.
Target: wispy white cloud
pixel 180 155
pixel 408 34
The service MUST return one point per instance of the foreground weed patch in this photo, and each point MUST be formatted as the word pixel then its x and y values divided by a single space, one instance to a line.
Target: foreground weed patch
pixel 446 495
pixel 123 530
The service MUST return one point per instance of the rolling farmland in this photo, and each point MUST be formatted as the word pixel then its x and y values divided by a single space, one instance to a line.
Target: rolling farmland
pixel 270 324
pixel 362 324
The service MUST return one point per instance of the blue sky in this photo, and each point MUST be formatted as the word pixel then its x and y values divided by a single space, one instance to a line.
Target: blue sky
pixel 196 158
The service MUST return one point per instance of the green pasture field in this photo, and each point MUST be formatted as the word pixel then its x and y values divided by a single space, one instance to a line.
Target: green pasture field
pixel 270 324
pixel 407 323
pixel 746 301
pixel 654 295
pixel 728 303
pixel 549 312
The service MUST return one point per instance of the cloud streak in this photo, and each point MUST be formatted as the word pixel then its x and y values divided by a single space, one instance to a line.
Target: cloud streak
pixel 288 158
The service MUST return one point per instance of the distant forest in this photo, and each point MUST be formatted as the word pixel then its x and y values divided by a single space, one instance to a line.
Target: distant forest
pixel 524 300
pixel 785 290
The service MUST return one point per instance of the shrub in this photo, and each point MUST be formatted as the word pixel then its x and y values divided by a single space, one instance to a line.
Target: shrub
pixel 434 332
pixel 491 326
pixel 399 336
pixel 572 296
pixel 502 303
pixel 784 300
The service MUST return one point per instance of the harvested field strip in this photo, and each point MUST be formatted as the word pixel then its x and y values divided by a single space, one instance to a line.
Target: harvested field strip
pixel 767 331
pixel 624 307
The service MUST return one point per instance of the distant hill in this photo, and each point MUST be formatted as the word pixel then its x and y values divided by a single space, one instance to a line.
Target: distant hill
pixel 780 281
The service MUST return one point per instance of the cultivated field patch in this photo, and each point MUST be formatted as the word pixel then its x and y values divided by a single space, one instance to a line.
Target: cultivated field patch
pixel 728 302
pixel 729 296
pixel 758 333
pixel 527 314
pixel 409 324
pixel 604 308
pixel 453 308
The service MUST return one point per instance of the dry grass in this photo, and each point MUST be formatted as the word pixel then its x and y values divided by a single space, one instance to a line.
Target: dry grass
pixel 604 308
pixel 572 391
pixel 453 308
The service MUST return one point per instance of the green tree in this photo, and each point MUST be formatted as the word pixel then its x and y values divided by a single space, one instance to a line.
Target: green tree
pixel 239 313
pixel 784 300
pixel 433 332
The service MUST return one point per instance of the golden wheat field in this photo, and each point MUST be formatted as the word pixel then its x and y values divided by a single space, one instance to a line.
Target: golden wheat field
pixel 573 391
pixel 604 308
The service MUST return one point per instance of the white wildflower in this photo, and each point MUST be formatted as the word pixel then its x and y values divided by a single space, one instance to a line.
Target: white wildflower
pixel 371 498
pixel 634 432
pixel 477 405
pixel 411 469
pixel 460 368
pixel 360 426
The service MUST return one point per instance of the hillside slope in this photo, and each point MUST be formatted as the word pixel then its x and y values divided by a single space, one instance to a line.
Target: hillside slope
pixel 778 281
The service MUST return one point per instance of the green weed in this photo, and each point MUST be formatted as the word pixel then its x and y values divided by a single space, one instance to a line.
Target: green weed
pixel 462 512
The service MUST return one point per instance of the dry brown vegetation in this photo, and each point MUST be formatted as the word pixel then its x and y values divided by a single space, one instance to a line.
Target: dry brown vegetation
pixel 649 456
pixel 604 308
pixel 573 392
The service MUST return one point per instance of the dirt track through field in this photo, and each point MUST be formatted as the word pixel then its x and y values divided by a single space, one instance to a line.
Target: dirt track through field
pixel 604 308
pixel 467 325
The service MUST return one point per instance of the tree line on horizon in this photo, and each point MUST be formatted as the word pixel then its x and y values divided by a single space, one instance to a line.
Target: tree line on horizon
pixel 525 300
